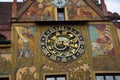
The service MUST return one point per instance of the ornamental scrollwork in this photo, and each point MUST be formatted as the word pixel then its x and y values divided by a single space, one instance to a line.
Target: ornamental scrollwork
pixel 78 70
pixel 26 73
pixel 5 66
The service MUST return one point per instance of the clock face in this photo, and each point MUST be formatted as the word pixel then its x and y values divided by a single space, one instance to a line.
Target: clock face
pixel 59 3
pixel 62 44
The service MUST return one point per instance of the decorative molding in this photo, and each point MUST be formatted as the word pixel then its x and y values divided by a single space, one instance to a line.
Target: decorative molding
pixel 24 7
pixel 26 73
pixel 77 70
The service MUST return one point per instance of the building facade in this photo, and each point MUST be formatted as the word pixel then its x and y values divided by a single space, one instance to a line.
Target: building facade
pixel 60 40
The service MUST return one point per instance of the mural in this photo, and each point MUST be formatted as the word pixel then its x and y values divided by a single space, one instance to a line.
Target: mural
pixel 43 10
pixel 26 73
pixel 101 40
pixel 79 10
pixel 5 66
pixel 39 11
pixel 77 72
pixel 25 41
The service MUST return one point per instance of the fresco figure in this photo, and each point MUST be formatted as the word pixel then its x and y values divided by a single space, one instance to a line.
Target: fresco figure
pixel 48 11
pixel 101 40
pixel 25 42
pixel 39 11
pixel 79 10
pixel 26 73
pixel 25 50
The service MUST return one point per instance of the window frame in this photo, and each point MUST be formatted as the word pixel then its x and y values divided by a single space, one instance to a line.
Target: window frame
pixel 61 11
pixel 5 77
pixel 104 75
pixel 55 75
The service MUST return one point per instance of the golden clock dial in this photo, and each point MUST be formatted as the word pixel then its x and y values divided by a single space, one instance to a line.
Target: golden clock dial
pixel 62 44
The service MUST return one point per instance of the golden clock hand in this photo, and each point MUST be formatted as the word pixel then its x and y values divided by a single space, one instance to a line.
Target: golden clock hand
pixel 74 46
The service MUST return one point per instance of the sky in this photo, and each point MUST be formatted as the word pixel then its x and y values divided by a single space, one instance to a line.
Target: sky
pixel 112 5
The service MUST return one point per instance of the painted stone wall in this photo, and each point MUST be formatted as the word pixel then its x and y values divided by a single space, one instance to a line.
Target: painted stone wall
pixel 39 11
pixel 5 51
pixel 79 10
pixel 103 47
pixel 75 70
pixel 24 52
pixel 38 65
pixel 30 62
pixel 5 65
pixel 44 10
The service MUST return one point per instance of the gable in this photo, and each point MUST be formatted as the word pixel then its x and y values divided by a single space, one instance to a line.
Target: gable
pixel 80 10
pixel 44 10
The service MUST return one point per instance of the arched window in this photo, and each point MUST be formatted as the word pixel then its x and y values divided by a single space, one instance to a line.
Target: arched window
pixel 2 37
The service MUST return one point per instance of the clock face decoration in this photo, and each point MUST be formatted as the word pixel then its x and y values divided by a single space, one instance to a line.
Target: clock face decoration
pixel 62 44
pixel 59 3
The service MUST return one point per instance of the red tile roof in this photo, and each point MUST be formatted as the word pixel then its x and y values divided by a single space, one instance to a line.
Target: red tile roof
pixel 6 12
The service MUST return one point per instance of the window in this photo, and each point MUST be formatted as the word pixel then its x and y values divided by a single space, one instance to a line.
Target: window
pixel 2 37
pixel 4 78
pixel 55 77
pixel 61 16
pixel 107 76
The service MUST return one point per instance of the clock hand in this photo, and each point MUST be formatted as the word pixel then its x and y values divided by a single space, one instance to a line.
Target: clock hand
pixel 74 46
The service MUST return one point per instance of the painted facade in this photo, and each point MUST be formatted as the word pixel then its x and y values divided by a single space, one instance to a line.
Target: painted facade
pixel 81 46
pixel 25 41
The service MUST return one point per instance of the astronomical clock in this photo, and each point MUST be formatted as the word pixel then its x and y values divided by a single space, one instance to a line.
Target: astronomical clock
pixel 62 44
